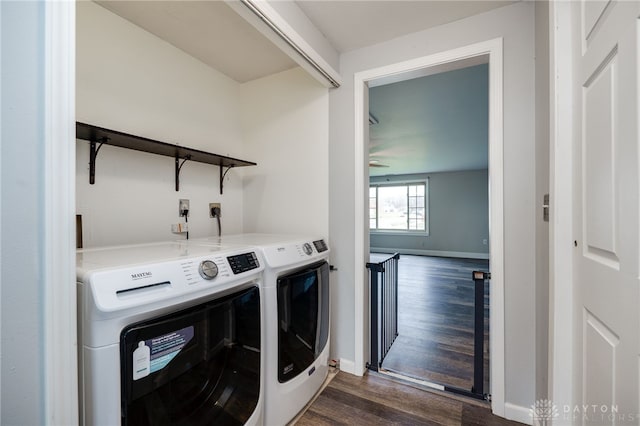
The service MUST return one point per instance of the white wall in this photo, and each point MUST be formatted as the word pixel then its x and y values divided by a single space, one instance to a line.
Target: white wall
pixel 22 360
pixel 285 121
pixel 131 81
pixel 458 215
pixel 515 23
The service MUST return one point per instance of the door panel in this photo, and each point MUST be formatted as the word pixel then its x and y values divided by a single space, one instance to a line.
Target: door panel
pixel 599 351
pixel 599 166
pixel 592 11
pixel 606 221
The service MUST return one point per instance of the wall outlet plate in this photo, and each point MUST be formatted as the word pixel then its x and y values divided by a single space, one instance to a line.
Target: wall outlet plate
pixel 179 228
pixel 212 206
pixel 183 204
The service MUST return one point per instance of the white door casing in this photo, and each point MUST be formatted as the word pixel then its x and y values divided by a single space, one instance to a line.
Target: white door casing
pixel 606 317
pixel 59 290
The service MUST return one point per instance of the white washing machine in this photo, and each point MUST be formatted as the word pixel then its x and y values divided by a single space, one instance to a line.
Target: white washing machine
pixel 170 334
pixel 297 313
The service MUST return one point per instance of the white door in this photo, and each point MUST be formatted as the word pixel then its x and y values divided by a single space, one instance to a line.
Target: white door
pixel 606 214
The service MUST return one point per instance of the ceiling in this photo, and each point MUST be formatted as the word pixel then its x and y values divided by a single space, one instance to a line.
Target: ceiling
pixel 209 31
pixel 350 25
pixel 216 35
pixel 431 124
pixel 413 135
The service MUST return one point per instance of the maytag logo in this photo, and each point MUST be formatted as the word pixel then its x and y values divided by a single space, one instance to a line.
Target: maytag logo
pixel 141 275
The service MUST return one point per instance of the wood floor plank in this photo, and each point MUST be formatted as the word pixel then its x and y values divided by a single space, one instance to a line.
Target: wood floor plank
pixel 436 320
pixel 391 402
pixel 377 400
pixel 383 413
pixel 476 416
pixel 315 418
pixel 346 410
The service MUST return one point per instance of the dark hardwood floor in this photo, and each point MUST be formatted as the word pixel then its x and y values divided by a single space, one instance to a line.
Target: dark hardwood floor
pixel 436 321
pixel 376 400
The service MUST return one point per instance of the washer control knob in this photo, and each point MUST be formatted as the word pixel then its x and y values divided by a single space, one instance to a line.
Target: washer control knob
pixel 208 269
pixel 307 249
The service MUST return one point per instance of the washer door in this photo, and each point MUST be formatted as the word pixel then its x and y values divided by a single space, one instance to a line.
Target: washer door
pixel 199 366
pixel 303 319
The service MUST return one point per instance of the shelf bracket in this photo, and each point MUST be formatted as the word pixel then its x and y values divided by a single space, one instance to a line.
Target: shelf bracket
pixel 178 168
pixel 93 153
pixel 222 175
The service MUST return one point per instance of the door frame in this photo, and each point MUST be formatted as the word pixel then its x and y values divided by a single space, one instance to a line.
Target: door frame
pixel 59 253
pixel 561 304
pixel 494 50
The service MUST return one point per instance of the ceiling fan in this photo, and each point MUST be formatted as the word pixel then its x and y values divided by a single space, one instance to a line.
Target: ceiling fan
pixel 377 163
pixel 374 163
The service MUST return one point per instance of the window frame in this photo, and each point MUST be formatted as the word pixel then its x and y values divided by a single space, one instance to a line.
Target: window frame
pixel 405 183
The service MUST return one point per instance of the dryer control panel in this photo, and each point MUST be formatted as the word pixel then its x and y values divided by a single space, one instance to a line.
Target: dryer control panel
pixel 320 245
pixel 243 262
pixel 290 253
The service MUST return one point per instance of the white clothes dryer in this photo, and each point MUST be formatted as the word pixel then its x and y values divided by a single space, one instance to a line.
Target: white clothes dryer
pixel 297 316
pixel 170 334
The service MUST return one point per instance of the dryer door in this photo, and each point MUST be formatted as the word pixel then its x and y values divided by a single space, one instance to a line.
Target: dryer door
pixel 198 366
pixel 303 319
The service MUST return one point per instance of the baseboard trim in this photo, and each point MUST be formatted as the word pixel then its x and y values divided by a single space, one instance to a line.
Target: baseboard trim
pixel 348 366
pixel 439 253
pixel 518 413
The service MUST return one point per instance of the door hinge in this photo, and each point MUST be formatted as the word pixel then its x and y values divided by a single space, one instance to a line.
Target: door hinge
pixel 545 208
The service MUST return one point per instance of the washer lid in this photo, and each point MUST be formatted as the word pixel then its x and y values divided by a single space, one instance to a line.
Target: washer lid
pixel 91 259
pixel 279 250
pixel 255 239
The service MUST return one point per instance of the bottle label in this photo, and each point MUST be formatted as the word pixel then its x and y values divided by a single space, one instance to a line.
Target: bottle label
pixel 141 361
pixel 159 351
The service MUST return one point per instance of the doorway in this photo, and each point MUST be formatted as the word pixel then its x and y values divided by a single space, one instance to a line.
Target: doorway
pixel 486 52
pixel 428 201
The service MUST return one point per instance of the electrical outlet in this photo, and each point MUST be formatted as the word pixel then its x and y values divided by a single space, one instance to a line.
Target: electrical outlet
pixel 183 205
pixel 212 206
pixel 484 242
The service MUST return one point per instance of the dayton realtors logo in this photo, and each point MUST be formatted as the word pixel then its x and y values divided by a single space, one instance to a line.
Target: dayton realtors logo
pixel 543 411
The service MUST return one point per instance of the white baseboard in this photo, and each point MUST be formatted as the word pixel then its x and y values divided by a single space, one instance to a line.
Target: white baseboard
pixel 439 253
pixel 518 413
pixel 348 366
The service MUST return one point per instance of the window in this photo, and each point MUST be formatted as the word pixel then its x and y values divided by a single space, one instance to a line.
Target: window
pixel 398 207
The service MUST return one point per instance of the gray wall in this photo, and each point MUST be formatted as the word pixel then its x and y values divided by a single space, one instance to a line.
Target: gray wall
pixel 458 216
pixel 515 25
pixel 21 214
